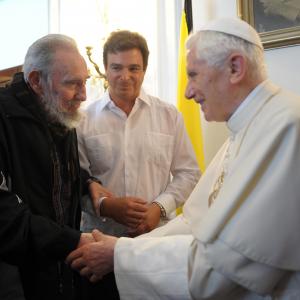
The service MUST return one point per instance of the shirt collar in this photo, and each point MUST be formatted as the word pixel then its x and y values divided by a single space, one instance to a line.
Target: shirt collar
pixel 107 102
pixel 251 105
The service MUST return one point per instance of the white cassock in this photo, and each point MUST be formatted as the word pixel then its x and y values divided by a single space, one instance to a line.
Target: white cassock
pixel 247 244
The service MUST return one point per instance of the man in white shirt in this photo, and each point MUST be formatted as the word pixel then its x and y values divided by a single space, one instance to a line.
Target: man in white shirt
pixel 136 145
pixel 238 236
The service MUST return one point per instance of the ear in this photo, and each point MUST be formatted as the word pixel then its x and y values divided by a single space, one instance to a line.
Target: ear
pixel 238 66
pixel 34 80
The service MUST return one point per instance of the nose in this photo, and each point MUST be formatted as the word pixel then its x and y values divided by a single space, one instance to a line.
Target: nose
pixel 81 93
pixel 189 91
pixel 125 74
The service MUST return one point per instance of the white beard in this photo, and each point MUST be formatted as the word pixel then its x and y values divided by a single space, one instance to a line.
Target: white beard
pixel 50 103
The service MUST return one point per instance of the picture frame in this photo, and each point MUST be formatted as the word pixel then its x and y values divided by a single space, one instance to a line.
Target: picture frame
pixel 277 22
pixel 7 74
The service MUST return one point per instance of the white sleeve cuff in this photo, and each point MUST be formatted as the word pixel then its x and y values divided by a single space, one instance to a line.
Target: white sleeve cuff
pixel 153 268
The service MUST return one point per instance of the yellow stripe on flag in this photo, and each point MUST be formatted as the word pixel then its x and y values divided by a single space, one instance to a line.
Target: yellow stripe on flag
pixel 188 108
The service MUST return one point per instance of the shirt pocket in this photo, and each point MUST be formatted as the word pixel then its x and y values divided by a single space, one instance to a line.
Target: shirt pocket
pixel 99 149
pixel 160 148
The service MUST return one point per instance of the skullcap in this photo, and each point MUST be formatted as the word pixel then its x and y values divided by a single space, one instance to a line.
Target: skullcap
pixel 235 27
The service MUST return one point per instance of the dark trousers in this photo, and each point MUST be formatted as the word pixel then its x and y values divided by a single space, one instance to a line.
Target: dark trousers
pixel 105 289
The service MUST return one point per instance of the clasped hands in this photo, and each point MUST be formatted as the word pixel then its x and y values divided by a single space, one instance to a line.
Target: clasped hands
pixel 135 213
pixel 94 256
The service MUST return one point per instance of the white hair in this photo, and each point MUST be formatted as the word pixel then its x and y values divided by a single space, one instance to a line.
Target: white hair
pixel 214 47
pixel 41 53
pixel 40 57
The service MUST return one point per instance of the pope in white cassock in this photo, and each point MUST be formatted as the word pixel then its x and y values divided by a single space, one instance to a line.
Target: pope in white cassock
pixel 238 236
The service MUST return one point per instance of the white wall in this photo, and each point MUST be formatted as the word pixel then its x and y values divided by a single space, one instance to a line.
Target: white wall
pixel 21 23
pixel 283 67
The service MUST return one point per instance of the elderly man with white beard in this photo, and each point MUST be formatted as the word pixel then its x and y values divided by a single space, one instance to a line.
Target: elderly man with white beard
pixel 40 186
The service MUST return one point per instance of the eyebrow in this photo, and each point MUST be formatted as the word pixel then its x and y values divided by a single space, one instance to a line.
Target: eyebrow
pixel 131 65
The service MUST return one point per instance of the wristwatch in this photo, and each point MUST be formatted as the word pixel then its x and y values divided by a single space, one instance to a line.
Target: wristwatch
pixel 163 213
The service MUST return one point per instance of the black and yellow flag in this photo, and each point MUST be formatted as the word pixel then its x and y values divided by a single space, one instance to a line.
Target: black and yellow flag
pixel 189 109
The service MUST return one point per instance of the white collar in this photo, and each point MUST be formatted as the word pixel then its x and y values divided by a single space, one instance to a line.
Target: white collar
pixel 251 105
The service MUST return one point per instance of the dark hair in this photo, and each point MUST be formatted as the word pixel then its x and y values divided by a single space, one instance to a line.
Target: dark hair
pixel 122 40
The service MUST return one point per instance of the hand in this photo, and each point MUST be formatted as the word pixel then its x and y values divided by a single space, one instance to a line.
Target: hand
pixel 129 211
pixel 94 260
pixel 150 222
pixel 96 191
pixel 85 238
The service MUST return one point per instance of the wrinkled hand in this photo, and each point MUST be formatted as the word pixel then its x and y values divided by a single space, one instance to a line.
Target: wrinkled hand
pixel 85 238
pixel 149 223
pixel 96 259
pixel 129 211
pixel 96 191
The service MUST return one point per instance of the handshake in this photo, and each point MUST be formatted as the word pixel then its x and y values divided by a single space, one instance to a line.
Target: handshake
pixel 94 256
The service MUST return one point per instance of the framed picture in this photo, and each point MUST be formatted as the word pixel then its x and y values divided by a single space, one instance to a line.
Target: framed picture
pixel 7 74
pixel 277 21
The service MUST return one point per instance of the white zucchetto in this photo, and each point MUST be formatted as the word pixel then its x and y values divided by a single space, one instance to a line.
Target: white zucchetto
pixel 235 27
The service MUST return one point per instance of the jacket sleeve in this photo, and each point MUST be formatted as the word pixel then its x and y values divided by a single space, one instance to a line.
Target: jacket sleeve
pixel 24 235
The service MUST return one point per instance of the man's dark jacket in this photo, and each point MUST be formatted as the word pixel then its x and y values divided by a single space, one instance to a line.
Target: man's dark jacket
pixel 30 236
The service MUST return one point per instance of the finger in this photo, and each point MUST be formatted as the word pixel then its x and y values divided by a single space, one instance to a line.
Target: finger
pixel 97 235
pixel 134 222
pixel 137 231
pixel 140 201
pixel 133 225
pixel 138 228
pixel 74 255
pixel 134 216
pixel 94 278
pixel 78 264
pixel 138 207
pixel 137 211
pixel 86 272
pixel 134 201
pixel 133 233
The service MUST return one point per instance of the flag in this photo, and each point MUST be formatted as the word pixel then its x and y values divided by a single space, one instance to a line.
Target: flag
pixel 189 109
